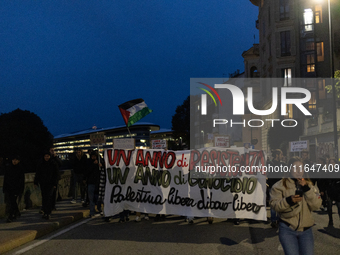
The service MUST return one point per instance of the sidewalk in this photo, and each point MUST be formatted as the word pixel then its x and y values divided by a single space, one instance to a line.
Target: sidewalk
pixel 31 226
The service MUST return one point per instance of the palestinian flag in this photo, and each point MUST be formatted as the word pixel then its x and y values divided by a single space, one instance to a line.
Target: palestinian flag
pixel 132 111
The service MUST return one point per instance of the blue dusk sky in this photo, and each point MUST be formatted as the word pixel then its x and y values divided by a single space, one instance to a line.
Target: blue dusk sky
pixel 72 62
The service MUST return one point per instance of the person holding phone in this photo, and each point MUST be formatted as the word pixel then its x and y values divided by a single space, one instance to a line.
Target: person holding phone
pixel 294 198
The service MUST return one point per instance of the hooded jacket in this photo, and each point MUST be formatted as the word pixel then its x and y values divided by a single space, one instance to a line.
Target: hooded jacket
pixel 14 179
pixel 297 215
pixel 47 174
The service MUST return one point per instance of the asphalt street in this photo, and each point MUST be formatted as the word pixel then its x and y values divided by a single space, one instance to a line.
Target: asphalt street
pixel 175 236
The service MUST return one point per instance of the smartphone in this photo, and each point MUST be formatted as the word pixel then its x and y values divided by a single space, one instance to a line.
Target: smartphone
pixel 299 192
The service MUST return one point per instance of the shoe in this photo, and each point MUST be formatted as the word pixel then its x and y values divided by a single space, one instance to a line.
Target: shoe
pixel 97 215
pixel 73 201
pixel 48 217
pixel 146 218
pixel 107 219
pixel 90 216
pixel 330 224
pixel 191 221
pixel 236 222
pixel 138 219
pixel 121 220
pixel 158 217
pixel 127 219
pixel 210 221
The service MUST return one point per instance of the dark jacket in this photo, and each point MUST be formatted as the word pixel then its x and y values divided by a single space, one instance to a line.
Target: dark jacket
pixel 14 179
pixel 79 165
pixel 93 173
pixel 47 174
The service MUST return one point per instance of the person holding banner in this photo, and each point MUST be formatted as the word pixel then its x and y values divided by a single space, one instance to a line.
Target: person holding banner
pixel 294 198
pixel 79 168
pixel 92 180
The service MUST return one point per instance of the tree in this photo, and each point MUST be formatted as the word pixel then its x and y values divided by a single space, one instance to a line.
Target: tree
pixel 337 84
pixel 23 133
pixel 181 124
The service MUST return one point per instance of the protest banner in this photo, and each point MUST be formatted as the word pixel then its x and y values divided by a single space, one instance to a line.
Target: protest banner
pixel 124 143
pixel 159 144
pixel 298 146
pixel 97 139
pixel 164 182
pixel 222 141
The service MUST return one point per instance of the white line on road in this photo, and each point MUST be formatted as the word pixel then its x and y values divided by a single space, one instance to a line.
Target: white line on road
pixel 51 237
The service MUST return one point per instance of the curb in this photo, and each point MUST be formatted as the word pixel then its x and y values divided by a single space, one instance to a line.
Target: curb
pixel 26 236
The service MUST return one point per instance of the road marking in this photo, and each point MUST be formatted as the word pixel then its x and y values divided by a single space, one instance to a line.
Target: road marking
pixel 51 237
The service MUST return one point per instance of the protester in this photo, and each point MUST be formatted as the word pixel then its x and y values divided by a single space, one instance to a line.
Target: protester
pixel 92 181
pixel 13 187
pixel 79 168
pixel 294 198
pixel 305 158
pixel 332 192
pixel 276 161
pixel 322 184
pixel 55 158
pixel 47 178
pixel 101 193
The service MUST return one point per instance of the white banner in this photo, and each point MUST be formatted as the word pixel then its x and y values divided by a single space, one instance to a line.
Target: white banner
pixel 167 182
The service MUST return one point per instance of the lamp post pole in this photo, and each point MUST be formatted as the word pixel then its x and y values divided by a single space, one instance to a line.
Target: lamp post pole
pixel 331 62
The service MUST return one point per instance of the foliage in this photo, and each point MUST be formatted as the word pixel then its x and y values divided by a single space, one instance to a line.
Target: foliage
pixel 337 84
pixel 279 136
pixel 181 123
pixel 23 133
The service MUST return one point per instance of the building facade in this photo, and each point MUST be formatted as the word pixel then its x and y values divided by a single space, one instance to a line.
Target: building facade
pixel 295 42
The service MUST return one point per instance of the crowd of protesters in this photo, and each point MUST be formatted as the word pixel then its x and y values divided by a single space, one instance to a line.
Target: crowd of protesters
pixel 292 198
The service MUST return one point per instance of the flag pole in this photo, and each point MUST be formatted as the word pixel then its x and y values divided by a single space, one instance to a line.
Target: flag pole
pixel 129 131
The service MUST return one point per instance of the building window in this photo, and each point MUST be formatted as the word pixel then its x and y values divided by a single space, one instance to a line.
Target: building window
pixel 320 51
pixel 310 63
pixel 284 9
pixel 318 14
pixel 309 44
pixel 312 102
pixel 253 72
pixel 322 91
pixel 287 77
pixel 285 43
pixel 308 20
pixel 310 83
